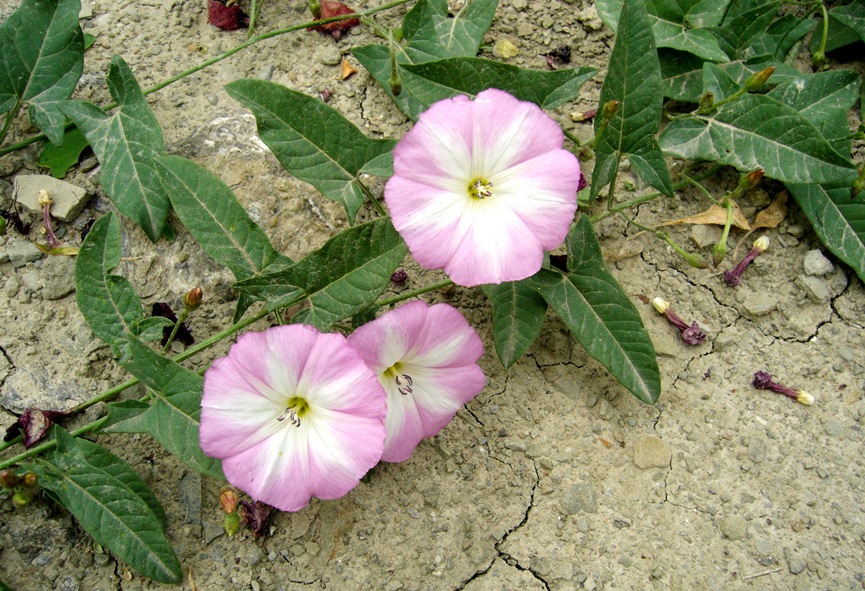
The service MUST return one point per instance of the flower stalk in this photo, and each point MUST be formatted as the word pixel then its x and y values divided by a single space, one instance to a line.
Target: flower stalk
pixel 691 334
pixel 734 276
pixel 763 381
pixel 45 203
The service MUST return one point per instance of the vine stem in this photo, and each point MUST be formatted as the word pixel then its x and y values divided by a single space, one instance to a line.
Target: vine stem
pixel 112 392
pixel 229 53
pixel 415 292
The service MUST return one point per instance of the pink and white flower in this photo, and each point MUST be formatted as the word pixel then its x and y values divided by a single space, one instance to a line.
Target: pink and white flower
pixel 292 413
pixel 426 359
pixel 481 188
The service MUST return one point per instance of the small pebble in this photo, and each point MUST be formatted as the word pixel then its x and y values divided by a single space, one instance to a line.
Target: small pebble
pixel 795 566
pixel 733 527
pixel 816 264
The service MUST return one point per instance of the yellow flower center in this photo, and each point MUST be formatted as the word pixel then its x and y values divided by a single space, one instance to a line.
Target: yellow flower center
pixel 480 188
pixel 403 381
pixel 295 409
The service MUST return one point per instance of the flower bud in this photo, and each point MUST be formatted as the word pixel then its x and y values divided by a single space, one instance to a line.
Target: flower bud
pixel 761 244
pixel 8 479
pixel 661 305
pixel 30 479
pixel 395 85
pixel 802 397
pixel 44 199
pixel 20 499
pixel 193 298
pixel 610 109
pixel 578 116
pixel 231 523
pixel 315 8
pixel 757 80
pixel 228 499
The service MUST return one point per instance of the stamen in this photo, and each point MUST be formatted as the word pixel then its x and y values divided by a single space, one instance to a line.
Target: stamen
pixel 480 189
pixel 405 390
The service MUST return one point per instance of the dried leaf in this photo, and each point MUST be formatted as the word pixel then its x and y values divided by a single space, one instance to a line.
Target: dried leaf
pixel 716 216
pixel 347 69
pixel 330 9
pixel 774 214
pixel 227 18
pixel 69 251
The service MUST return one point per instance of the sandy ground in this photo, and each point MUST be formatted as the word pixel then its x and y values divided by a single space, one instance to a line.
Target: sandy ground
pixel 554 477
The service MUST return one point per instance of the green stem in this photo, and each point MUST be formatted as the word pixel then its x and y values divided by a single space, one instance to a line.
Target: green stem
pixel 229 53
pixel 183 316
pixel 254 8
pixel 112 392
pixel 825 36
pixel 700 188
pixel 415 292
pixel 694 260
pixel 572 137
pixel 375 203
pixel 48 445
pixel 10 115
pixel 646 198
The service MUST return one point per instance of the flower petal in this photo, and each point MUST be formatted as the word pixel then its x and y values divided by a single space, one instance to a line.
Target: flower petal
pixel 277 457
pixel 515 149
pixel 434 351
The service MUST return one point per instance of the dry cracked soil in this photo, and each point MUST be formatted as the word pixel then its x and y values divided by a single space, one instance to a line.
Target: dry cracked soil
pixel 554 477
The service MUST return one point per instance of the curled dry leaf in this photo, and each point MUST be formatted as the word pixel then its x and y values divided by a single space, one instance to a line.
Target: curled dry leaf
pixel 330 9
pixel 716 216
pixel 347 69
pixel 772 215
pixel 226 17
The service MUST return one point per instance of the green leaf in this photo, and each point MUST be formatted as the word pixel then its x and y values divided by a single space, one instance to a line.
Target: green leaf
pixel 41 60
pixel 740 27
pixel 717 81
pixel 852 16
pixel 672 27
pixel 152 327
pixel 112 503
pixel 108 302
pixel 600 315
pixel 173 418
pixel 126 144
pixel 781 36
pixel 431 35
pixel 754 132
pixel 838 220
pixel 633 79
pixel 63 157
pixel 434 81
pixel 210 211
pixel 824 99
pixel 518 314
pixel 683 73
pixel 312 141
pixel 340 279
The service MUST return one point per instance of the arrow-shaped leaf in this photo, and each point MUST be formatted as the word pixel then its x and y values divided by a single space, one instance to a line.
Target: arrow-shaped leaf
pixel 754 132
pixel 600 315
pixel 108 302
pixel 824 99
pixel 41 60
pixel 633 79
pixel 434 81
pixel 313 142
pixel 518 314
pixel 173 418
pixel 431 35
pixel 111 502
pixel 126 144
pixel 340 279
pixel 852 16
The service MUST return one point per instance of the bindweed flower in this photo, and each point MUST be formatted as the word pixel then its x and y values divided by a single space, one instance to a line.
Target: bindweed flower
pixel 734 277
pixel 426 359
pixel 763 381
pixel 292 413
pixel 481 188
pixel 691 335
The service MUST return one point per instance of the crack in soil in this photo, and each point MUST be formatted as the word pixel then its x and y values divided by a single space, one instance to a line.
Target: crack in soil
pixel 501 554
